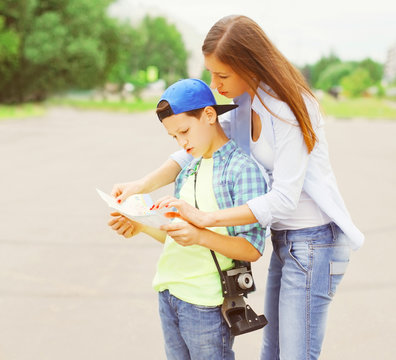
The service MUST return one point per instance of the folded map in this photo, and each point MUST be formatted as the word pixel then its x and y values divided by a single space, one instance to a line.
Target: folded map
pixel 137 208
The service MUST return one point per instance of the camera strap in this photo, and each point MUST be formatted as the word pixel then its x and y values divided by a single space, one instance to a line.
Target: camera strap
pixel 197 166
pixel 239 316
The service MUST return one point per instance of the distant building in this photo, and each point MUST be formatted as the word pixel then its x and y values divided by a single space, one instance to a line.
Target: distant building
pixel 390 65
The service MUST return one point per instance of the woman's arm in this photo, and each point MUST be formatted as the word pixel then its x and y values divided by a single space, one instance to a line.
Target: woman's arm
pixel 240 215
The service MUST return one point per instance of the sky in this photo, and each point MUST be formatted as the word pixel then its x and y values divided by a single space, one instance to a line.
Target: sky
pixel 302 30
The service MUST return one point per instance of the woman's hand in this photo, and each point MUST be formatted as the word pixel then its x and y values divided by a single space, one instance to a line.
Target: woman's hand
pixel 124 190
pixel 184 211
pixel 124 226
pixel 183 233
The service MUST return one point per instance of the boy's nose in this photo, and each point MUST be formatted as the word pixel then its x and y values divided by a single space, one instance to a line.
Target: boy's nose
pixel 182 143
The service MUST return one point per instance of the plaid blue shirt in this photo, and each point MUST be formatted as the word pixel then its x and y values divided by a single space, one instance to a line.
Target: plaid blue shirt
pixel 236 179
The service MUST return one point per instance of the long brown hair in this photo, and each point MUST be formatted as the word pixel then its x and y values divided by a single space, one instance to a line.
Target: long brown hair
pixel 239 42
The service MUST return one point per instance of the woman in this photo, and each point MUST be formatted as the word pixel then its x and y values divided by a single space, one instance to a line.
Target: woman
pixel 279 124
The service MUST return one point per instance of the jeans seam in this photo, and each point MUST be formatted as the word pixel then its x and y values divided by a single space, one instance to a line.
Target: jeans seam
pixel 307 327
pixel 225 345
pixel 330 292
pixel 305 270
pixel 308 301
pixel 308 309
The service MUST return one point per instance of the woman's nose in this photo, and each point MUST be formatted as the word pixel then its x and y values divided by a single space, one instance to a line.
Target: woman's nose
pixel 213 83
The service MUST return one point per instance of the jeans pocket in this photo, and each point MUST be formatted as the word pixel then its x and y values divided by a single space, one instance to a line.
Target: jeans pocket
pixel 338 265
pixel 337 271
pixel 300 253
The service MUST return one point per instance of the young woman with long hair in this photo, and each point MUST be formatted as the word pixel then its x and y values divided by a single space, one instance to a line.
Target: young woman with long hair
pixel 278 123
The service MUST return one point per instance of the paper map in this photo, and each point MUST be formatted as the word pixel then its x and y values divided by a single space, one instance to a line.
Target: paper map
pixel 137 208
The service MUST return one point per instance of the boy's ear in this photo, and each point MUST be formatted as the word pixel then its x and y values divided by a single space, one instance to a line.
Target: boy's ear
pixel 211 114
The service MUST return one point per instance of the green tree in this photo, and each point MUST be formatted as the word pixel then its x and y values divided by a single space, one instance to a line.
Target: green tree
pixel 356 83
pixel 9 45
pixel 62 45
pixel 162 47
pixel 153 44
pixel 128 56
pixel 313 72
pixel 332 75
pixel 375 70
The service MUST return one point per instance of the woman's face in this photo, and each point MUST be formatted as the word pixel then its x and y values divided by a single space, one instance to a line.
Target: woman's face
pixel 223 78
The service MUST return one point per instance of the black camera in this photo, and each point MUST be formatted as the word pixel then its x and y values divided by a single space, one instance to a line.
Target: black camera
pixel 236 283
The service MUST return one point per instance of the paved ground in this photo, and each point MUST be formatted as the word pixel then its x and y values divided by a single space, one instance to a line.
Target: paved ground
pixel 71 289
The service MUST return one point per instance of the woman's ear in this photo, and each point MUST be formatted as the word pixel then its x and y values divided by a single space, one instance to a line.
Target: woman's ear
pixel 210 114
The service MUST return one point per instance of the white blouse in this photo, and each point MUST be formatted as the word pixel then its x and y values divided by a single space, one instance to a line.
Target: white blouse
pixel 307 212
pixel 294 171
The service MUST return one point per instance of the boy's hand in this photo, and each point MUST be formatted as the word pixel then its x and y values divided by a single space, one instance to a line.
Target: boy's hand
pixel 185 211
pixel 124 226
pixel 124 190
pixel 183 233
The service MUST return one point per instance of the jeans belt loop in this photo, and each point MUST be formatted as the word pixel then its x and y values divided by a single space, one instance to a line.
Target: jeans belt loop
pixel 285 236
pixel 334 231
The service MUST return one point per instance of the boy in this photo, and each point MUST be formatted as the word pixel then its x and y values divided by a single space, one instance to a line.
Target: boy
pixel 220 176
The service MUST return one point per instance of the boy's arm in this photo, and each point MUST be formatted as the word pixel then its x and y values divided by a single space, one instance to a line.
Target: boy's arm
pixel 162 176
pixel 155 233
pixel 128 228
pixel 234 247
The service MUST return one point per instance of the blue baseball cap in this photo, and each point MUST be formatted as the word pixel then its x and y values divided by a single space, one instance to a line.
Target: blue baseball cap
pixel 190 94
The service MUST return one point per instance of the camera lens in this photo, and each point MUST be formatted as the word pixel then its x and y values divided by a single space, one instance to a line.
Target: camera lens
pixel 245 281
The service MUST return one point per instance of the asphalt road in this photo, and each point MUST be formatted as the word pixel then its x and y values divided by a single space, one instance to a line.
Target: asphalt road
pixel 70 288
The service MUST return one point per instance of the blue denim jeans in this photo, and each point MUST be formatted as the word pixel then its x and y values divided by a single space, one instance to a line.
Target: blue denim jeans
pixel 194 332
pixel 305 268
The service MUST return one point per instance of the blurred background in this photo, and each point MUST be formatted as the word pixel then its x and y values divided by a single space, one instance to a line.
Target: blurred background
pixel 79 81
pixel 122 54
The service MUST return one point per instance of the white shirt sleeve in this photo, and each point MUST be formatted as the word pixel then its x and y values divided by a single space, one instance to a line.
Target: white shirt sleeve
pixel 182 158
pixel 290 164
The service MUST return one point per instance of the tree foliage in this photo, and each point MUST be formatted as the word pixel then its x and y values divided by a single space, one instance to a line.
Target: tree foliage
pixel 9 47
pixel 375 70
pixel 53 46
pixel 314 71
pixel 164 48
pixel 356 83
pixel 353 77
pixel 332 75
pixel 153 43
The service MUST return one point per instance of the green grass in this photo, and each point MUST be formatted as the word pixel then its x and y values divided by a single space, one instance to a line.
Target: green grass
pixel 124 106
pixel 21 111
pixel 29 110
pixel 368 108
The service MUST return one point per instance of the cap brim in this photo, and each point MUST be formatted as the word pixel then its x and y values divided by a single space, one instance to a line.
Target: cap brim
pixel 221 109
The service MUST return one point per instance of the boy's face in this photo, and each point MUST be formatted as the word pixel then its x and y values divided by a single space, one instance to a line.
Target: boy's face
pixel 192 134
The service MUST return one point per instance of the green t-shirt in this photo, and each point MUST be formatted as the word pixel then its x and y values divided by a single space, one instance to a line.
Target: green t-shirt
pixel 189 273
